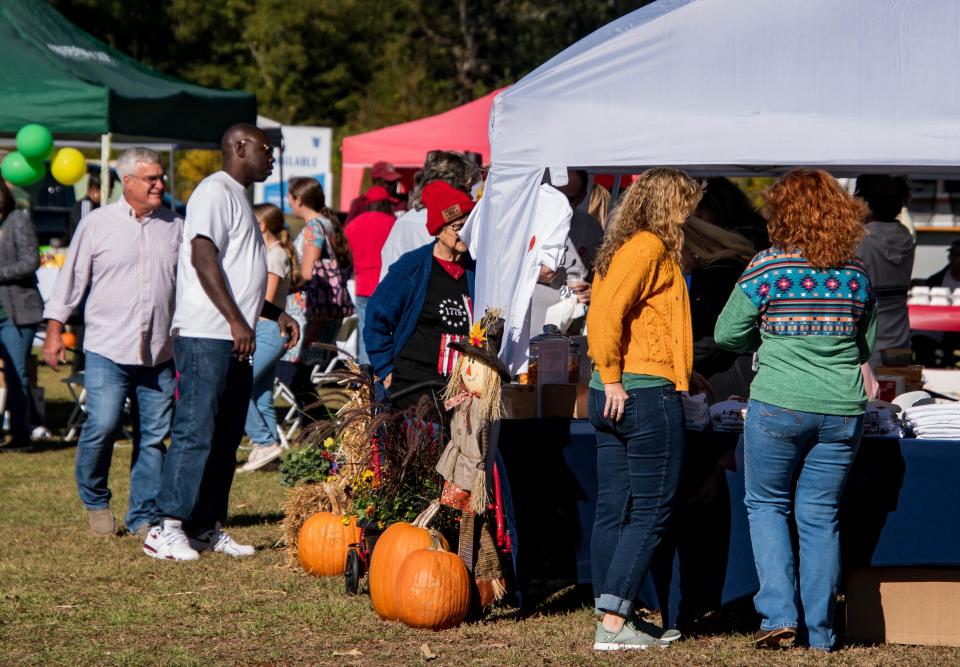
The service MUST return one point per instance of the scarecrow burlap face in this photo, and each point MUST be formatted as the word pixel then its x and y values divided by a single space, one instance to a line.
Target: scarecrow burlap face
pixel 474 374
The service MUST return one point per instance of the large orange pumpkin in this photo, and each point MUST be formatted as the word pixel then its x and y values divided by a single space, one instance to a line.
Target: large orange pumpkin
pixel 397 542
pixel 322 543
pixel 433 589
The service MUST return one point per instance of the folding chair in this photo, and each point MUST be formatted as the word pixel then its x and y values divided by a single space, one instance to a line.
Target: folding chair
pixel 79 413
pixel 347 342
pixel 290 423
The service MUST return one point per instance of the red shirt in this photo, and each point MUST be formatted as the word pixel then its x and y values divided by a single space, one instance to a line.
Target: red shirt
pixel 366 235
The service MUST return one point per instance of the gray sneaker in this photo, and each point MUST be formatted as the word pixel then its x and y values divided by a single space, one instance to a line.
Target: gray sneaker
pixel 261 456
pixel 102 522
pixel 627 639
pixel 653 630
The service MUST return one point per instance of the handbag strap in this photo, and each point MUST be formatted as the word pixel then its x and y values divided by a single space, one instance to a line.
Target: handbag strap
pixel 326 242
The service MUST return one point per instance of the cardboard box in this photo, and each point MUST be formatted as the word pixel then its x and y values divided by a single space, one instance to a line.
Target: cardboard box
pixel 519 401
pixel 567 401
pixel 904 605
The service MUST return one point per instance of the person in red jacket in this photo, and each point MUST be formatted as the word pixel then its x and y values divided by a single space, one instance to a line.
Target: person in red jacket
pixel 366 235
pixel 385 176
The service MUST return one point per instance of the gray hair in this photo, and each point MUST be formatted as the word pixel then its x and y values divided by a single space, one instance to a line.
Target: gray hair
pixel 448 166
pixel 130 158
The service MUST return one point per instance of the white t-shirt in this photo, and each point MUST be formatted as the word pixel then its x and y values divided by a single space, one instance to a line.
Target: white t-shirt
pixel 408 233
pixel 278 263
pixel 218 209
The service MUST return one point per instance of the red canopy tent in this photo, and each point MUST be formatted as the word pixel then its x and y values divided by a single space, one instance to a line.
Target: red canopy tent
pixel 406 145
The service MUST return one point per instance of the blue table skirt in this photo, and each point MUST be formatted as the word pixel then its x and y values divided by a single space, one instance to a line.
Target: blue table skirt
pixel 899 510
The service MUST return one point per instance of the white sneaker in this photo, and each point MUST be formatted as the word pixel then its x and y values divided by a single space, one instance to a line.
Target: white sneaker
pixel 261 456
pixel 168 542
pixel 41 433
pixel 219 542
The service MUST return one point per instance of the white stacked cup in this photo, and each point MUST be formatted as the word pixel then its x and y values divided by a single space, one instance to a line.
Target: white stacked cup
pixel 919 296
pixel 940 296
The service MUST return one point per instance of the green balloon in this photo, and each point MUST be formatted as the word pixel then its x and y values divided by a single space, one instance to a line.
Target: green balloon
pixel 34 142
pixel 20 171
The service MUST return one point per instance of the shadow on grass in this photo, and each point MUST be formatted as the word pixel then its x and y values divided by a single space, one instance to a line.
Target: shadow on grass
pixel 253 519
pixel 53 444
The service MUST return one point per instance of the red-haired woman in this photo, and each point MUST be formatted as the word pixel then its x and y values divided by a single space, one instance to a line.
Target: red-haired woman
pixel 806 305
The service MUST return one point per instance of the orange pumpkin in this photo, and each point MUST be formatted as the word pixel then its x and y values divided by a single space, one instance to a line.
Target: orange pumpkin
pixel 433 589
pixel 397 542
pixel 69 339
pixel 323 541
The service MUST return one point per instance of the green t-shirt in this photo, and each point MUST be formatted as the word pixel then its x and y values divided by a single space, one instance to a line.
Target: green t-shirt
pixel 631 381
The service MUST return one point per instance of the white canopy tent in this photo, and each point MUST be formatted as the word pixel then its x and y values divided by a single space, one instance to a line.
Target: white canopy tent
pixel 718 87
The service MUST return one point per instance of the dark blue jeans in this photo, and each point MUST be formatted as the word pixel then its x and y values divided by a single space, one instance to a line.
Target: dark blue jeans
pixel 214 392
pixel 638 466
pixel 15 343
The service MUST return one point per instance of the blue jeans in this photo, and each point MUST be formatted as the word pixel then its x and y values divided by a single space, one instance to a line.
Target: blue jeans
pixel 797 462
pixel 15 344
pixel 108 385
pixel 261 424
pixel 361 304
pixel 214 392
pixel 638 467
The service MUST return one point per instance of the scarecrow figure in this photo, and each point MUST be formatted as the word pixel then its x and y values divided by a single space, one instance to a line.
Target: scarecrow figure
pixel 474 395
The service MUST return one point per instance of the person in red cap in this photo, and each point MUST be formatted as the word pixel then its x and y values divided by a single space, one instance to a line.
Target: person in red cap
pixel 423 303
pixel 366 235
pixel 384 176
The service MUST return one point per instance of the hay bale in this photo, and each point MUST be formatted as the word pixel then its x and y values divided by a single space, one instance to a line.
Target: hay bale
pixel 302 503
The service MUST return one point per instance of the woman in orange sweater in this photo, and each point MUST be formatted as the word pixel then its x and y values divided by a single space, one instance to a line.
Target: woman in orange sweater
pixel 640 340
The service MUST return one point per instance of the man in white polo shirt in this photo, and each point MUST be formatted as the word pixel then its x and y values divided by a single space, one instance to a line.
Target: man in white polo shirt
pixel 221 286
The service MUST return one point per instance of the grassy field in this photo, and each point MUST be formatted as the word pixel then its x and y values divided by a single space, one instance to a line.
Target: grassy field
pixel 71 598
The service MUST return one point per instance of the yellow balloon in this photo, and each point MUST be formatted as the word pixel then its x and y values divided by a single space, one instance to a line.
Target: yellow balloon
pixel 69 166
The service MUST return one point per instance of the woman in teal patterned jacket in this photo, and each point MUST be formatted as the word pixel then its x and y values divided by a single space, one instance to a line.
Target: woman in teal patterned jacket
pixel 806 307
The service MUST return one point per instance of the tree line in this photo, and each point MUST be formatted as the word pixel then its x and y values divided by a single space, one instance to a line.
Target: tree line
pixel 354 65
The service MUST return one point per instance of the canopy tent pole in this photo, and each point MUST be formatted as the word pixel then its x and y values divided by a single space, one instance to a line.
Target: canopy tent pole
pixel 615 192
pixel 105 140
pixel 283 183
pixel 171 181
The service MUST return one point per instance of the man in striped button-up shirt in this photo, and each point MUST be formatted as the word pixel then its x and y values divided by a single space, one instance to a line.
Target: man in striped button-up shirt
pixel 125 254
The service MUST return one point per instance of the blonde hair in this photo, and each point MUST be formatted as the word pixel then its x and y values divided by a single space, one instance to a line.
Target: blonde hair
pixel 659 201
pixel 271 217
pixel 710 243
pixel 492 407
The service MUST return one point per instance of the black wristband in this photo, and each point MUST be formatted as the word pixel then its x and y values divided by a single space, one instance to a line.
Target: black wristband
pixel 271 311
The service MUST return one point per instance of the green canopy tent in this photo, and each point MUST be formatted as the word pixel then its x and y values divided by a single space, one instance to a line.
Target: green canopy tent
pixel 57 75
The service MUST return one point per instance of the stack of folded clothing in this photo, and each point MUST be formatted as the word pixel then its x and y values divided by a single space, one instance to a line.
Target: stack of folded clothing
pixel 728 416
pixel 882 420
pixel 940 421
pixel 696 411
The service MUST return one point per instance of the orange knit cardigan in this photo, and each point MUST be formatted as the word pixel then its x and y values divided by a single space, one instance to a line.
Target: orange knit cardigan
pixel 639 317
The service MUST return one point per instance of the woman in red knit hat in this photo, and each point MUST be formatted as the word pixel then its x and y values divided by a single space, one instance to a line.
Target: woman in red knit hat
pixel 424 302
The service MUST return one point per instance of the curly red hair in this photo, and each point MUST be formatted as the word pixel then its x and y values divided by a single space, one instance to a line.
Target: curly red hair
pixel 808 212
